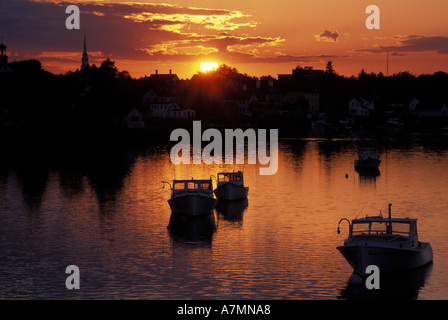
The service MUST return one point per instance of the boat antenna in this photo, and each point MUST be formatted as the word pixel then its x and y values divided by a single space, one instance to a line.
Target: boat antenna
pixel 359 212
pixel 390 211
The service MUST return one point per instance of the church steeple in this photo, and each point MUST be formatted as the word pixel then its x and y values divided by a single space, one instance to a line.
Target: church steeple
pixel 3 58
pixel 85 56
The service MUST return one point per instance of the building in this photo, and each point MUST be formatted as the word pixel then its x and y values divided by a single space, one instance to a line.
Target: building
pixel 266 105
pixel 164 105
pixel 159 105
pixel 302 83
pixel 134 119
pixel 4 67
pixel 85 56
pixel 176 112
pixel 413 104
pixel 431 109
pixel 243 102
pixel 311 97
pixel 300 79
pixel 163 80
pixel 359 107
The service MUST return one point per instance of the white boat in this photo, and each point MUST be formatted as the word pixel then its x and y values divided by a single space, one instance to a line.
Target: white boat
pixel 231 186
pixel 368 159
pixel 192 197
pixel 391 244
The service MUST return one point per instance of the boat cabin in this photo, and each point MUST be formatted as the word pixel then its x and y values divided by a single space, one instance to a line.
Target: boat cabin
pixel 383 229
pixel 186 187
pixel 230 177
pixel 367 153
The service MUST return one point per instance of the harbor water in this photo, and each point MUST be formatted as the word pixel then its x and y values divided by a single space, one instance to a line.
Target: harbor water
pixel 105 211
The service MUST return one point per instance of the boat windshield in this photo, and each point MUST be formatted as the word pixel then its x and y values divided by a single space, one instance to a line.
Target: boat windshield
pixel 179 186
pixel 383 228
pixel 206 185
pixel 226 177
pixel 192 185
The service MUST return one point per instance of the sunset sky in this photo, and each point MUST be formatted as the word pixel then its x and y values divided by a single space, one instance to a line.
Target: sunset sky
pixel 262 37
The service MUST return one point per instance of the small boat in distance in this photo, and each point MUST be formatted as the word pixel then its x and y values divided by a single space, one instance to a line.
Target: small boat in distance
pixel 391 244
pixel 367 159
pixel 231 186
pixel 191 197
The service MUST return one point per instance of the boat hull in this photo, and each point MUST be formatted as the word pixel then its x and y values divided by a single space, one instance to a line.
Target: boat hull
pixel 230 192
pixel 192 205
pixel 387 259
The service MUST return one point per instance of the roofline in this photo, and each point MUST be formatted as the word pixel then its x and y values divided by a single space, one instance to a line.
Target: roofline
pixel 230 172
pixel 193 180
pixel 380 219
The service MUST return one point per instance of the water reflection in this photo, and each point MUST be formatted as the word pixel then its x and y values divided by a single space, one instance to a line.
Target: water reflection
pixel 105 167
pixel 105 206
pixel 397 286
pixel 368 176
pixel 33 177
pixel 368 172
pixel 232 210
pixel 192 228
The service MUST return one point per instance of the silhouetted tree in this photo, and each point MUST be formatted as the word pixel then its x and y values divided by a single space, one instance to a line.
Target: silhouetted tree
pixel 362 75
pixel 329 70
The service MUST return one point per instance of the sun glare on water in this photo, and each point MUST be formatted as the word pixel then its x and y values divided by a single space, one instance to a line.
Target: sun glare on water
pixel 208 66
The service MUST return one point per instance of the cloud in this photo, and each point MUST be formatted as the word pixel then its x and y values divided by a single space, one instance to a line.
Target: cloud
pixel 138 33
pixel 413 43
pixel 327 36
pixel 125 29
pixel 210 19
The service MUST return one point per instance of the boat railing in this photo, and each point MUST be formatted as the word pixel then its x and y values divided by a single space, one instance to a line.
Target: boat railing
pixel 381 228
pixel 163 185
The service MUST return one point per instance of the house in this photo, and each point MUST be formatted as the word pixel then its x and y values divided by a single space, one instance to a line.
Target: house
pixel 177 112
pixel 134 119
pixel 159 105
pixel 265 105
pixel 444 110
pixel 413 104
pixel 4 66
pixel 300 79
pixel 243 102
pixel 432 111
pixel 359 107
pixel 312 97
pixel 164 79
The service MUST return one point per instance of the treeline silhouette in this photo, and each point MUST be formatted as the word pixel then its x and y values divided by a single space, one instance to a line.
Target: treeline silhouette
pixel 98 98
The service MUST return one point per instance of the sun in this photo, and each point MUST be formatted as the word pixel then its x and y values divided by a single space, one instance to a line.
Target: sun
pixel 208 66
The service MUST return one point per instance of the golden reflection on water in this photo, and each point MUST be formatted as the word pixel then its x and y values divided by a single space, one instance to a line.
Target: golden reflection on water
pixel 280 244
pixel 287 232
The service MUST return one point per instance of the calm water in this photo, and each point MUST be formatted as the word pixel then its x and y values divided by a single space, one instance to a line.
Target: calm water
pixel 106 212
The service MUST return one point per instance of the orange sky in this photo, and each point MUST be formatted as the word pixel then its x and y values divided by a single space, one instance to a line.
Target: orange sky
pixel 256 37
